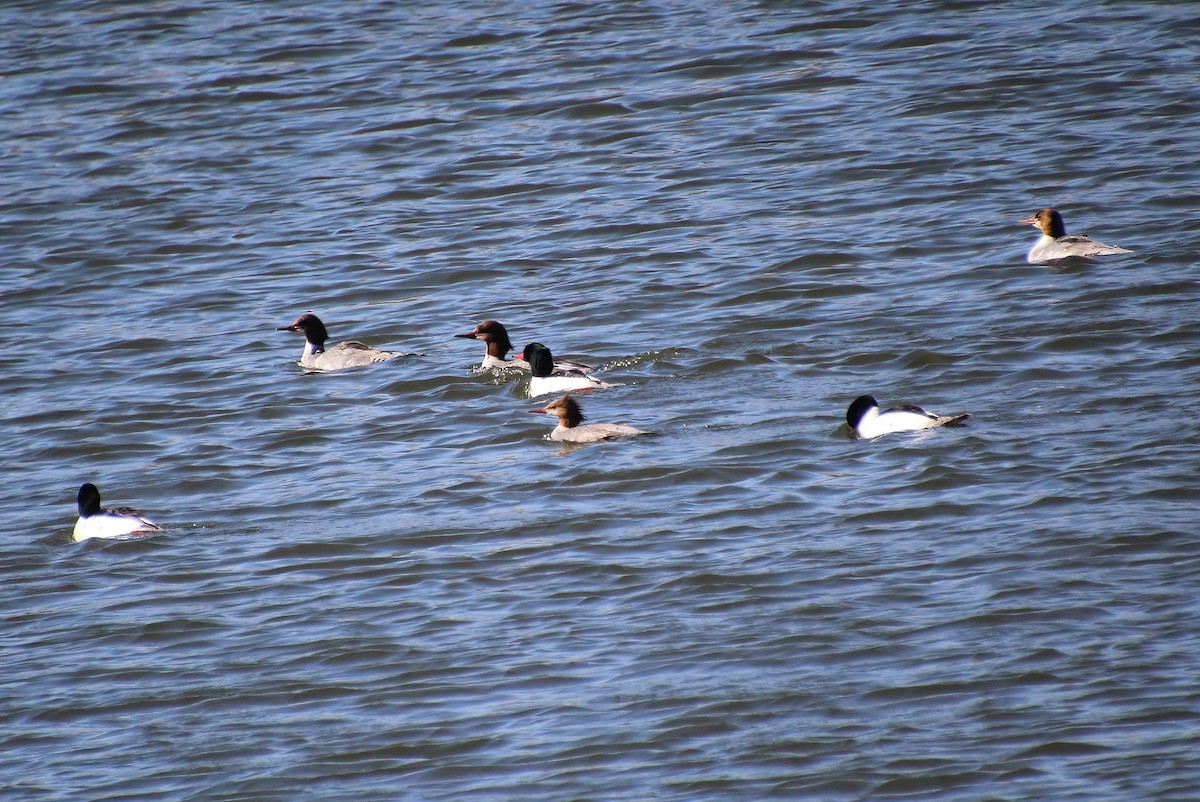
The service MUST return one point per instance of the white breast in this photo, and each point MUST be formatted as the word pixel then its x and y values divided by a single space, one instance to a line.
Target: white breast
pixel 544 385
pixel 875 423
pixel 108 525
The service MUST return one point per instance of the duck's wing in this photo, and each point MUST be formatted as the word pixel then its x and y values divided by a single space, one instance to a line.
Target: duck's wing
pixel 1083 245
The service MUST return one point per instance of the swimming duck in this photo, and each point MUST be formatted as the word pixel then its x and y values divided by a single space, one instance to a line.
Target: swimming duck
pixel 349 354
pixel 121 522
pixel 496 342
pixel 868 422
pixel 550 378
pixel 1054 244
pixel 571 428
pixel 495 338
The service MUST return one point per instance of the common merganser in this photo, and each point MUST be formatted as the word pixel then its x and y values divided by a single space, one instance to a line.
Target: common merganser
pixel 549 378
pixel 349 354
pixel 559 364
pixel 570 416
pixel 121 522
pixel 495 337
pixel 867 421
pixel 1054 244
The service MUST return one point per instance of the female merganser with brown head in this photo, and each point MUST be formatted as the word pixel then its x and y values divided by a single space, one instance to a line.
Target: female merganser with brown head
pixel 350 354
pixel 867 421
pixel 122 522
pixel 550 378
pixel 495 338
pixel 1054 244
pixel 571 428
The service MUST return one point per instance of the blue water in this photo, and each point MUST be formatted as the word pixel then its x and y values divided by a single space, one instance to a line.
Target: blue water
pixel 388 584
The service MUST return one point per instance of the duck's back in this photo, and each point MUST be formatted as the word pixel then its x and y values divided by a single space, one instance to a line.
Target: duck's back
pixel 1048 249
pixel 115 524
pixel 592 432
pixel 349 354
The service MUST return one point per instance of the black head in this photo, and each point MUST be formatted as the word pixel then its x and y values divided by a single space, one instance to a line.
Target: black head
pixel 311 327
pixel 89 500
pixel 540 360
pixel 861 406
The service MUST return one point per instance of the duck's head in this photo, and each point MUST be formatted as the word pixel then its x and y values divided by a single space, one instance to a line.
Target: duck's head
pixel 567 409
pixel 540 360
pixel 311 327
pixel 88 500
pixel 1049 221
pixel 859 409
pixel 494 334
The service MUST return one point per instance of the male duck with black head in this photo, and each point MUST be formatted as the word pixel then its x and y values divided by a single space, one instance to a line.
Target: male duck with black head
pixel 867 421
pixel 119 523
pixel 550 378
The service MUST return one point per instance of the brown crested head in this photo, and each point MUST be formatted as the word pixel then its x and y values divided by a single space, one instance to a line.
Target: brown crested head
pixel 310 326
pixel 1049 221
pixel 569 413
pixel 494 334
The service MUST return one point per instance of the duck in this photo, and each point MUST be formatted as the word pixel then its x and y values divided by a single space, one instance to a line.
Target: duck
pixel 1054 244
pixel 495 338
pixel 121 522
pixel 350 354
pixel 496 343
pixel 868 422
pixel 571 429
pixel 550 378
pixel 559 364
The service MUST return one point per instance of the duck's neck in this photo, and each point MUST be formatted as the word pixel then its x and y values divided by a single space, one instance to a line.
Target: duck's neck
pixel 541 363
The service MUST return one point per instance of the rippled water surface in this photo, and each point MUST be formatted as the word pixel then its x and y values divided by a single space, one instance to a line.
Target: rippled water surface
pixel 387 584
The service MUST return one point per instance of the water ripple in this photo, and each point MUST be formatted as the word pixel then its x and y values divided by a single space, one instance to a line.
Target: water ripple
pixel 748 215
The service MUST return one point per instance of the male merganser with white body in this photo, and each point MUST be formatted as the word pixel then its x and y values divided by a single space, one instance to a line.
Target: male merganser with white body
pixel 559 364
pixel 549 378
pixel 867 421
pixel 121 522
pixel 349 354
pixel 1054 244
pixel 495 337
pixel 570 418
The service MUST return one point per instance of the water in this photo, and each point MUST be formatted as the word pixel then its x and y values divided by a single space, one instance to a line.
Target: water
pixel 385 584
